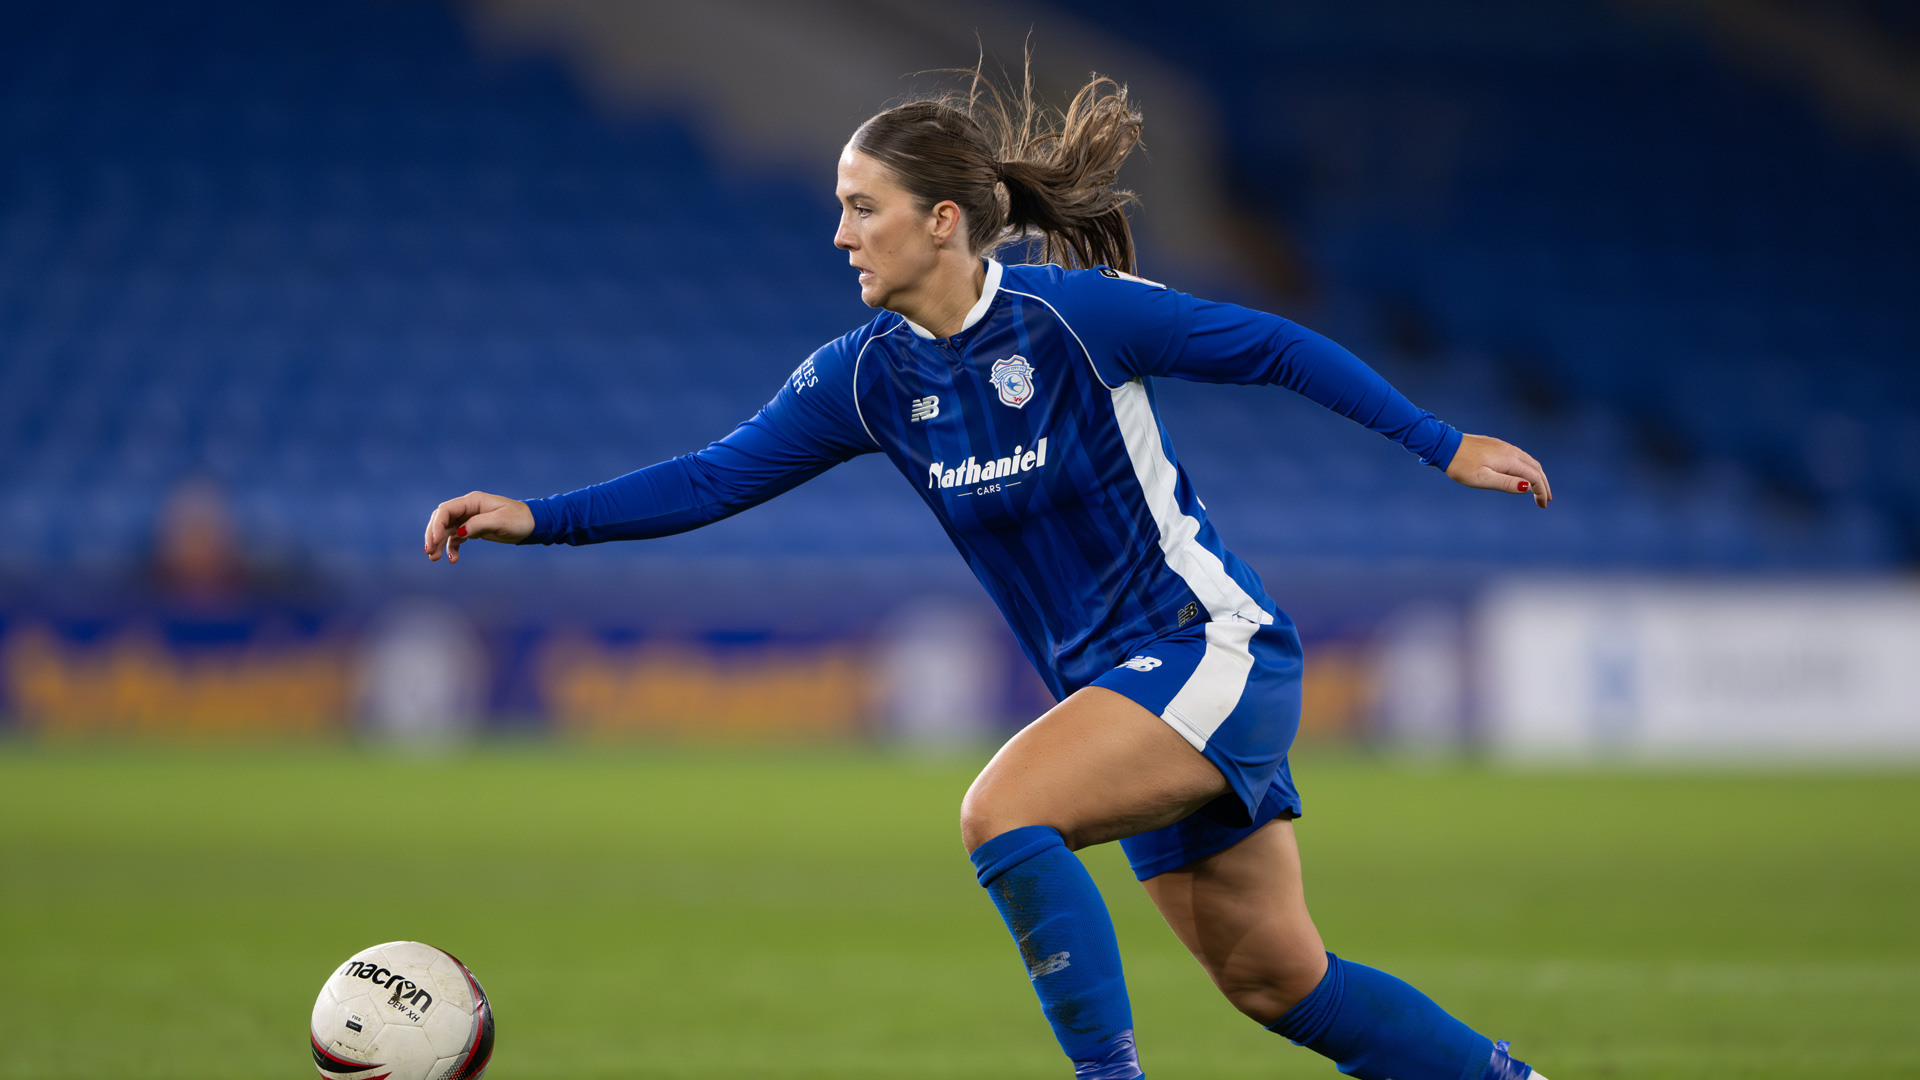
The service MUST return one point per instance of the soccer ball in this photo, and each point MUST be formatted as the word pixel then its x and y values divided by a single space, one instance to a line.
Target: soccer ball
pixel 402 1011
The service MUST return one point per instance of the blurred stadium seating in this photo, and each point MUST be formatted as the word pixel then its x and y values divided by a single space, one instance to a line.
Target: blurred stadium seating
pixel 336 259
pixel 1680 284
pixel 333 259
pixel 343 260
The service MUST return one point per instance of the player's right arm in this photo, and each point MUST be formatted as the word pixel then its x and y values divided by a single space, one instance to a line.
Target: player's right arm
pixel 810 426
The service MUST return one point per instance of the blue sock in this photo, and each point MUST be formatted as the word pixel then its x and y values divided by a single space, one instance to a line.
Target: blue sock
pixel 1066 941
pixel 1376 1027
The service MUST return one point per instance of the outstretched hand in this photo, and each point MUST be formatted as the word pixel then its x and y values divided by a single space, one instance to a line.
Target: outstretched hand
pixel 476 516
pixel 1485 462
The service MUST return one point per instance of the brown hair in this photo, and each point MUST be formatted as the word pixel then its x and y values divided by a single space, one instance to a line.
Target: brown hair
pixel 1018 171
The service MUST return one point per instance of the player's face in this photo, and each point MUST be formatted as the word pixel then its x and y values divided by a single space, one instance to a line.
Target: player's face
pixel 889 240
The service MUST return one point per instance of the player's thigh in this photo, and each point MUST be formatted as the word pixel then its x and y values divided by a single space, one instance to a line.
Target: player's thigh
pixel 1097 767
pixel 1243 915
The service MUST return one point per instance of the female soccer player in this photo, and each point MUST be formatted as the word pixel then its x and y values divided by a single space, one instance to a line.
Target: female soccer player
pixel 1018 401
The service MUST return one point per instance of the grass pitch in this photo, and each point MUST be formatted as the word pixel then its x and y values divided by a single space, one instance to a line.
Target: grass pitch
pixel 650 914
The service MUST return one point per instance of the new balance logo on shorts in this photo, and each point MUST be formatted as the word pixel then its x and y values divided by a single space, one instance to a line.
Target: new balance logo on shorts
pixel 923 408
pixel 1141 663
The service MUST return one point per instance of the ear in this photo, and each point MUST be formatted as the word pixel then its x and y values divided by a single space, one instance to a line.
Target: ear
pixel 944 221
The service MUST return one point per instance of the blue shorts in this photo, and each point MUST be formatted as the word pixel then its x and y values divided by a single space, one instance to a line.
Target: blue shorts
pixel 1232 689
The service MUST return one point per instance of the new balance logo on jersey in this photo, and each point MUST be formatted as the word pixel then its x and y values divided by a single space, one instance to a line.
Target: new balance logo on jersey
pixel 972 471
pixel 1140 663
pixel 923 408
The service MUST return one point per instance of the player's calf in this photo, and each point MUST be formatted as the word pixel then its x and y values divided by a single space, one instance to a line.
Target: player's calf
pixel 1067 945
pixel 1376 1027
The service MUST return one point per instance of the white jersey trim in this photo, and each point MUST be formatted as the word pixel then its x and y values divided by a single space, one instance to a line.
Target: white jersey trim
pixel 1213 691
pixel 1201 569
pixel 980 306
pixel 859 356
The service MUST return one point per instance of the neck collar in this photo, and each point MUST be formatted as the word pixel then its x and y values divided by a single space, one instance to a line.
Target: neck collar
pixel 987 292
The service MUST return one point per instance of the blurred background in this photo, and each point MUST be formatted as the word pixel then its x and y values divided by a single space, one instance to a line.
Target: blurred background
pixel 277 279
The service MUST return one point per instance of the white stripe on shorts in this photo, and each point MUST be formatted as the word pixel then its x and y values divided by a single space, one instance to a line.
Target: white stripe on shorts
pixel 1213 690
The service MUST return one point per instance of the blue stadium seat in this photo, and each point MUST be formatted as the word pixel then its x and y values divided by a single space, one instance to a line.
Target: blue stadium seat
pixel 315 250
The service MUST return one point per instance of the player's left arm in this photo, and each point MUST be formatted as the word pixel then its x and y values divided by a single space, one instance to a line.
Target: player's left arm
pixel 1135 328
pixel 1228 343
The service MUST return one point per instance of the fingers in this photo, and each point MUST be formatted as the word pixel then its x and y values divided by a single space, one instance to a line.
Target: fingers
pixel 1524 466
pixel 437 528
pixel 445 526
pixel 495 524
pixel 1519 478
pixel 1532 480
pixel 1508 482
pixel 440 526
pixel 1486 462
pixel 475 516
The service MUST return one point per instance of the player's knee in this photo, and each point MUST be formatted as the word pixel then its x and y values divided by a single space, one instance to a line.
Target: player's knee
pixel 1265 992
pixel 1265 1000
pixel 986 813
pixel 980 818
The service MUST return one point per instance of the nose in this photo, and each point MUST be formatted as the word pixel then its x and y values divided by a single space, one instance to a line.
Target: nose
pixel 843 236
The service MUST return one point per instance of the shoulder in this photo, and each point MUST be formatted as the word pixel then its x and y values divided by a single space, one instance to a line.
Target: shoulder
pixel 819 401
pixel 1128 325
pixel 1108 273
pixel 1051 277
pixel 1090 293
pixel 850 343
pixel 839 355
pixel 1100 295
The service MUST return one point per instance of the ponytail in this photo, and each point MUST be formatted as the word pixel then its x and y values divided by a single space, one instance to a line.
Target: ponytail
pixel 1019 173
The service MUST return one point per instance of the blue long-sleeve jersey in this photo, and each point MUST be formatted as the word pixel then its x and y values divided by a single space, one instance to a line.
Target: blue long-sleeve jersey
pixel 1033 436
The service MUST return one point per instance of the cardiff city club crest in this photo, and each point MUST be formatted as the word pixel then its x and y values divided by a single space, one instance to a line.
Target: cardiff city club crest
pixel 1013 377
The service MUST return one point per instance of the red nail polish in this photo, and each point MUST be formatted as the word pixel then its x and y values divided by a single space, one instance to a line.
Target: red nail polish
pixel 462 530
pixel 1524 486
